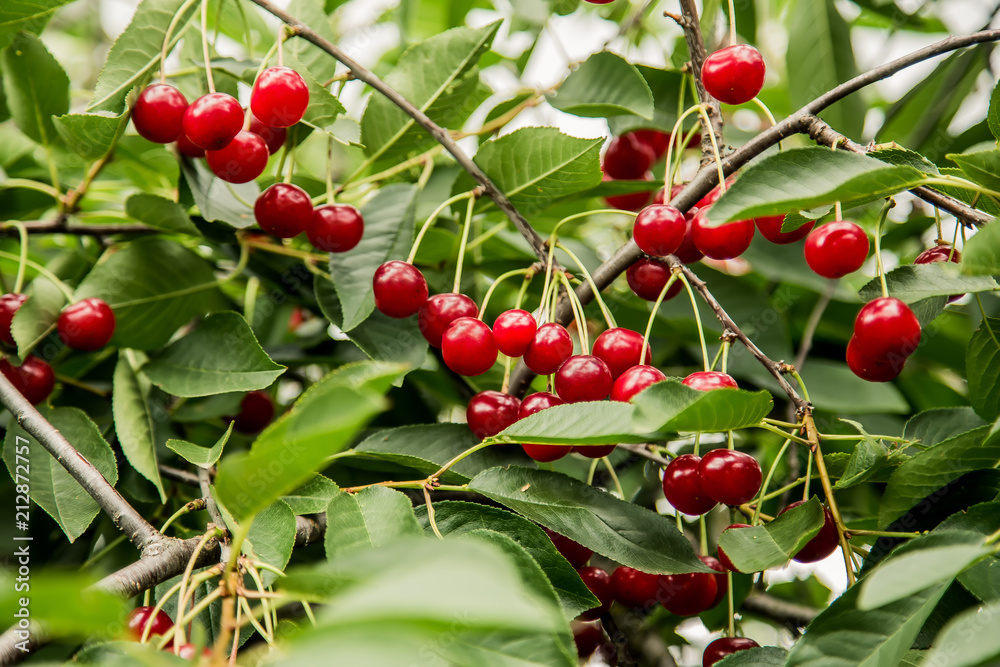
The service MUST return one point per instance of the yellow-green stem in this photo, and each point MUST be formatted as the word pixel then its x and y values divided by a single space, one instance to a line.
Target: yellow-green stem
pixel 430 220
pixel 697 319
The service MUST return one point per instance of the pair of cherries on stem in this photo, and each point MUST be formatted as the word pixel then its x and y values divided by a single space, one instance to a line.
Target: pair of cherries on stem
pixel 159 624
pixel 285 210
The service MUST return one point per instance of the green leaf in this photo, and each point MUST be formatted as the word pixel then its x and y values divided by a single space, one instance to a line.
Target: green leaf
pixel 868 457
pixel 968 640
pixel 619 530
pixel 52 488
pixel 900 155
pixel 982 366
pixel 90 135
pixel 220 356
pixel 981 253
pixel 204 457
pixel 535 166
pixel 438 76
pixel 135 423
pixel 458 518
pixel 598 423
pixel 136 52
pixel 804 178
pixel 672 406
pixel 154 286
pixel 271 538
pixel 216 199
pixel 665 85
pixel 605 85
pixel 914 571
pixel 933 468
pixel 313 496
pixel 36 87
pixel 28 15
pixel 65 603
pixel 160 212
pixel 317 62
pixel 369 518
pixel 761 547
pixel 323 107
pixel 993 117
pixel 916 282
pixel 938 424
pixel 762 656
pixel 37 317
pixel 388 234
pixel 982 167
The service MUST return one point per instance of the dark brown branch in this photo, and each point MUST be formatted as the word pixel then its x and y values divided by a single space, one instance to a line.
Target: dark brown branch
pixel 60 225
pixel 641 450
pixel 441 135
pixel 696 46
pixel 178 475
pixel 779 610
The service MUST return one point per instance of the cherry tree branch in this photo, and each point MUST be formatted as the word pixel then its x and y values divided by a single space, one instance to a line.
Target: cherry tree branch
pixel 60 225
pixel 688 20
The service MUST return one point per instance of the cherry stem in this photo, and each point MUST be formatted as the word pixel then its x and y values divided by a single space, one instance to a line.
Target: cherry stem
pixel 831 500
pixel 882 215
pixel 715 148
pixel 652 315
pixel 985 324
pixel 590 473
pixel 668 182
pixel 940 231
pixel 186 578
pixel 430 512
pixel 680 143
pixel 732 611
pixel 280 44
pixel 954 181
pixel 524 288
pixel 778 431
pixel 614 476
pixel 703 538
pixel 527 273
pixel 290 154
pixel 543 306
pixel 809 463
pixel 67 292
pixel 265 604
pixel 802 385
pixel 593 286
pixel 420 159
pixel 767 481
pixel 725 356
pixel 465 240
pixel 732 23
pixel 697 443
pixel 430 220
pixel 697 319
pixel 505 384
pixel 204 46
pixel 885 533
pixel 22 234
pixel 767 112
pixel 168 34
pixel 578 315
pixel 329 171
pixel 718 355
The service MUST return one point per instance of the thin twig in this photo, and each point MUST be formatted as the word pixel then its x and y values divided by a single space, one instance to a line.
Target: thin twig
pixel 813 323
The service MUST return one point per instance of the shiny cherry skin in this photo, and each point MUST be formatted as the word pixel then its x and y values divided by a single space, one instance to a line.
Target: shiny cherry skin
pixel 629 202
pixel 87 324
pixel 599 583
pixel 549 348
pixel 821 546
pixel 490 412
pixel 628 157
pixel 682 486
pixel 688 252
pixel 283 210
pixel 873 369
pixel 688 594
pixel 436 314
pixel 279 97
pixel 734 75
pixel 941 253
pixel 335 228
pixel 723 242
pixel 836 249
pixel 213 120
pixel 256 412
pixel 242 160
pixel 729 476
pixel 577 554
pixel 620 349
pixel 158 114
pixel 886 328
pixel 648 277
pixel 656 141
pixel 634 588
pixel 724 646
pixel 188 149
pixel 531 404
pixel 594 451
pixel 721 580
pixel 659 230
pixel 587 637
pixel 140 617
pixel 400 289
pixel 9 304
pixel 770 228
pixel 274 137
pixel 709 380
pixel 513 331
pixel 714 194
pixel 723 558
pixel 34 379
pixel 468 347
pixel 634 380
pixel 583 377
pixel 599 2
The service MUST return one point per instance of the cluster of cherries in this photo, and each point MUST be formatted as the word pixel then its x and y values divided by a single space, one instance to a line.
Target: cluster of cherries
pixel 85 325
pixel 141 618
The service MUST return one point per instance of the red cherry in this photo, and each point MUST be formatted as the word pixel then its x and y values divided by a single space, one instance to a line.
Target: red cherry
pixel 723 558
pixel 648 277
pixel 190 652
pixel 873 369
pixel 688 253
pixel 721 580
pixel 213 120
pixel 298 316
pixel 574 552
pixel 283 210
pixel 836 249
pixel 634 588
pixel 274 137
pixel 886 328
pixel 599 2
pixel 187 148
pixel 436 314
pixel 335 228
pixel 9 303
pixel 724 646
pixel 158 114
pixel 87 324
pixel 468 347
pixel 709 380
pixel 594 451
pixel 682 486
pixel 627 157
pixel 241 160
pixel 659 230
pixel 733 75
pixel 537 402
pixel 634 380
pixel 279 97
pixel 825 543
pixel 140 617
pixel 770 228
pixel 513 331
pixel 730 476
pixel 599 583
pixel 546 453
pixel 34 378
pixel 723 242
pixel 656 141
pixel 587 637
pixel 620 349
pixel 400 289
pixel 490 412
pixel 688 594
pixel 941 253
pixel 583 377
pixel 629 202
pixel 549 348
pixel 256 412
